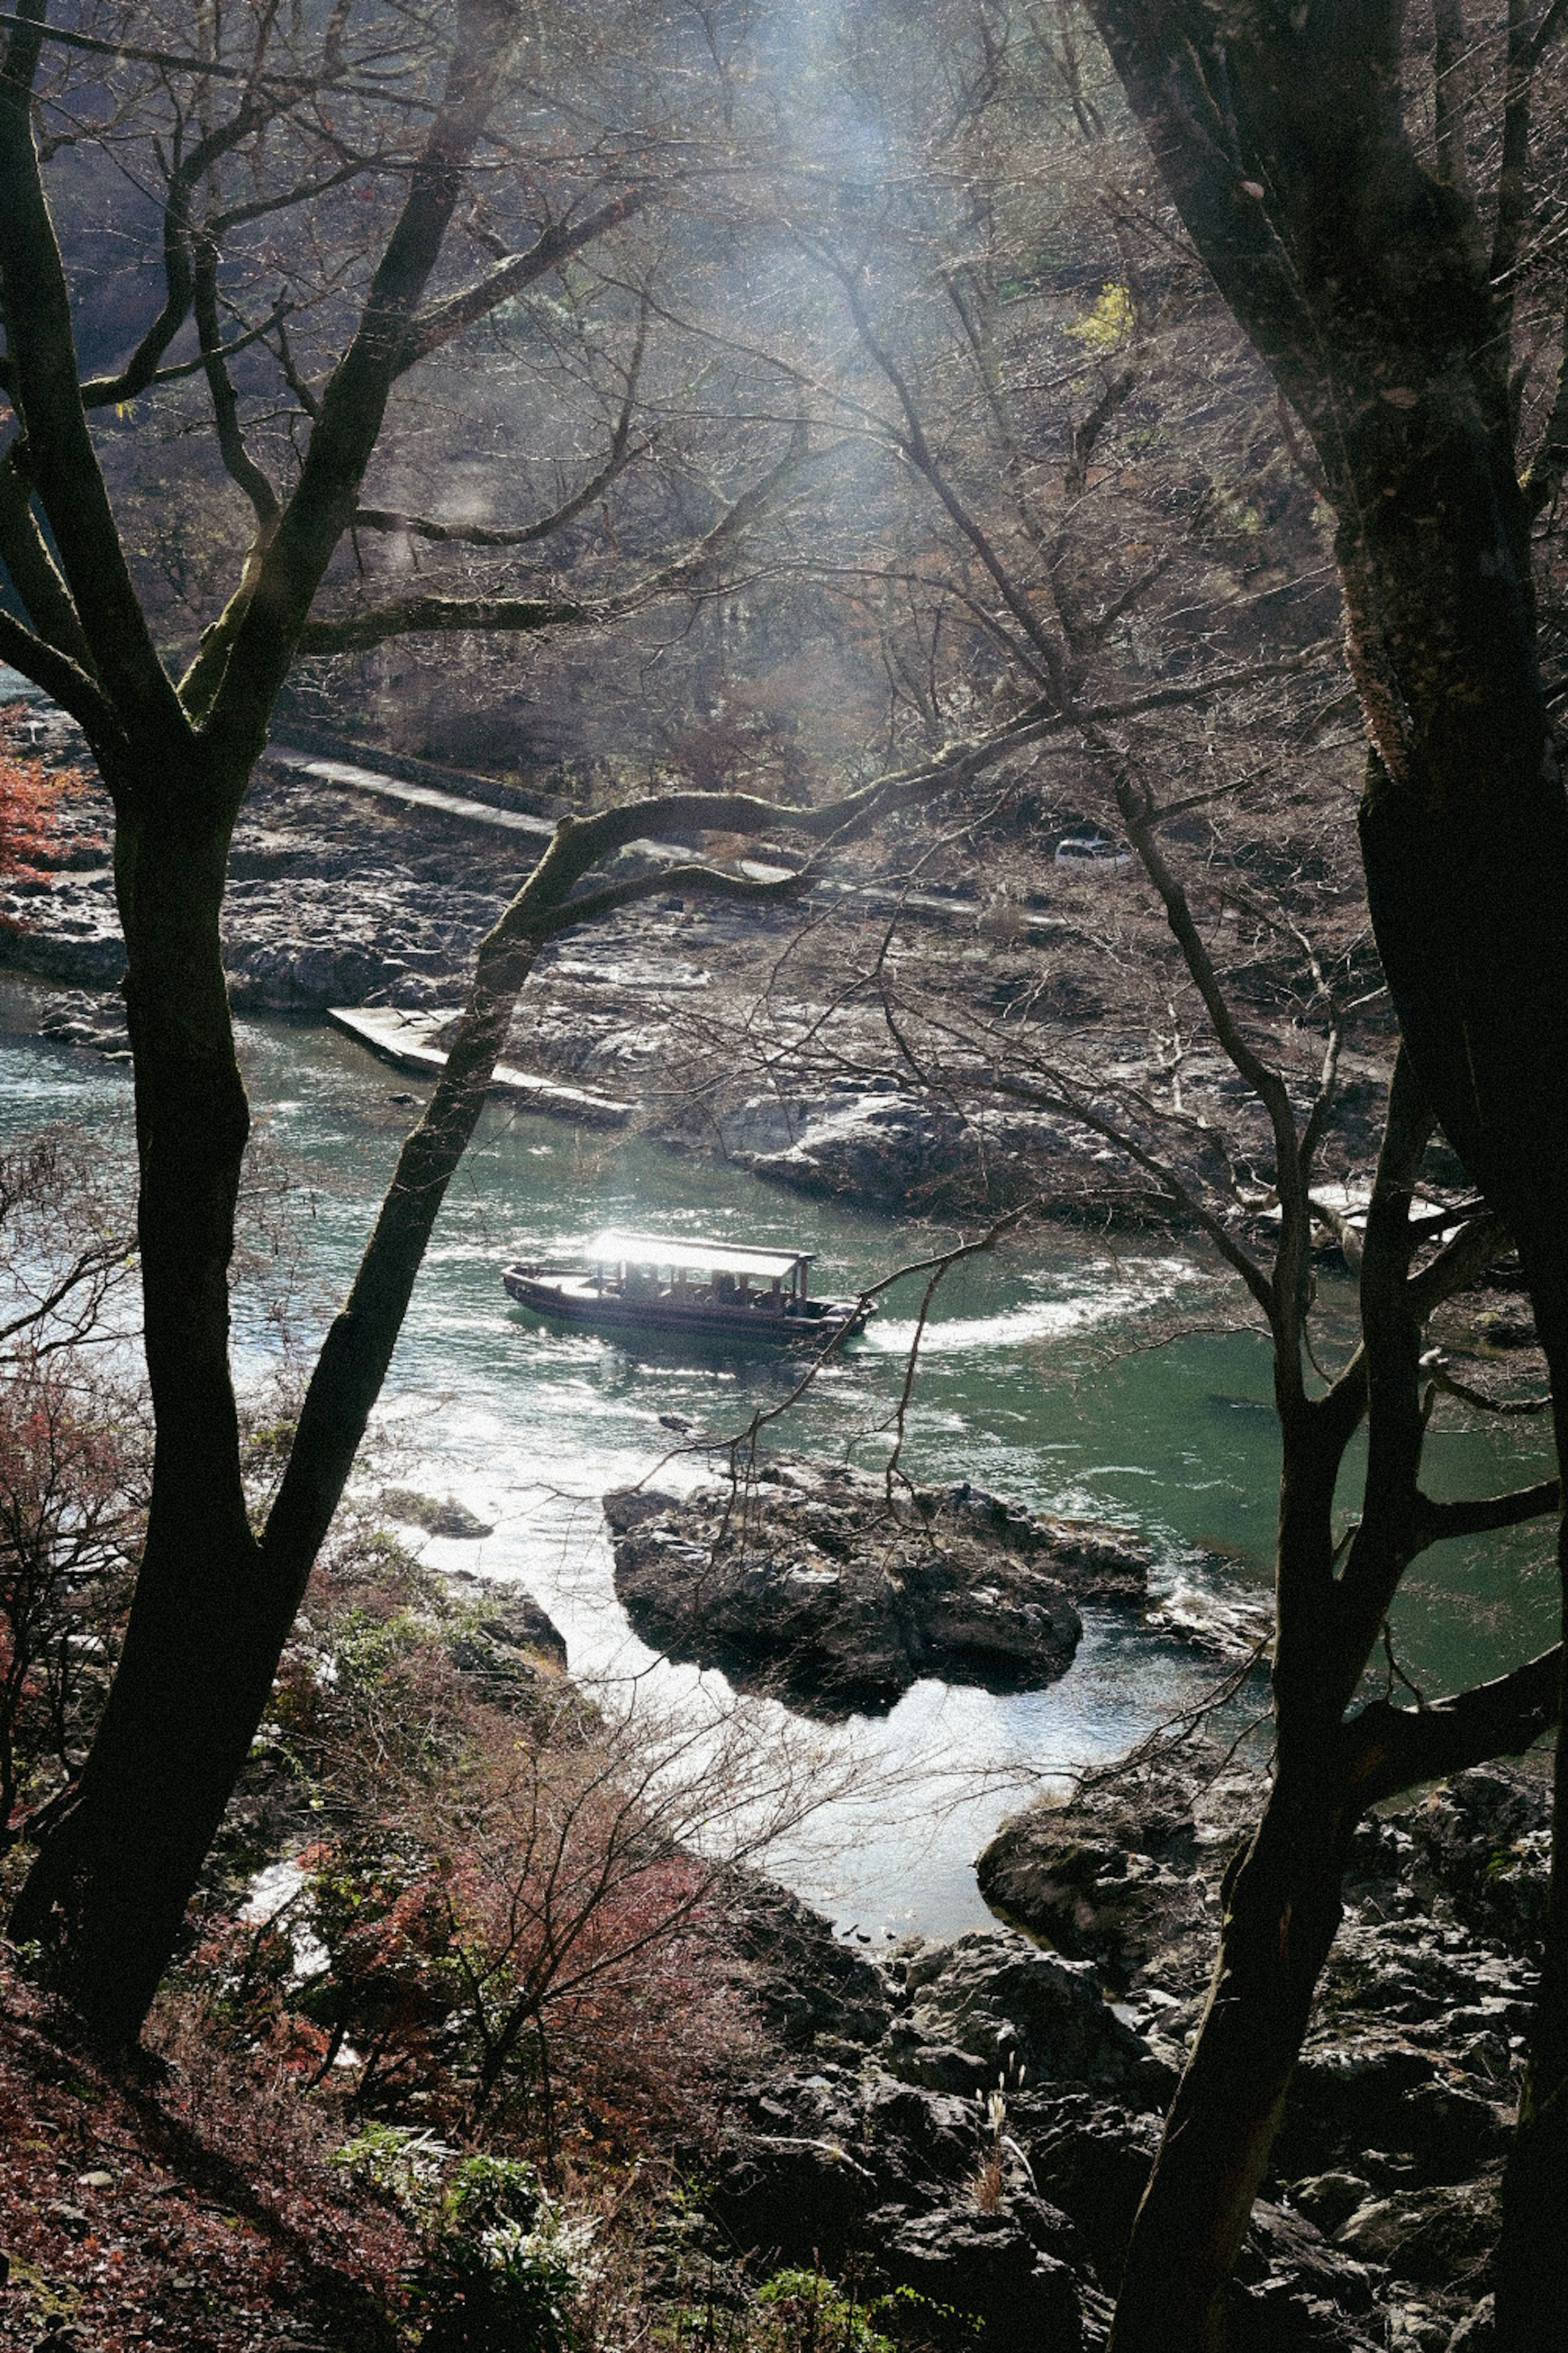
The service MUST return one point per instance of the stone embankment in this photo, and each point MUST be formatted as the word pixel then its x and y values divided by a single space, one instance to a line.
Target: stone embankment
pixel 976 2119
pixel 811 1582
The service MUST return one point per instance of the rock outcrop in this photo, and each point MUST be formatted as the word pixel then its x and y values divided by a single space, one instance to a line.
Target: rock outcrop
pixel 810 1583
pixel 975 2120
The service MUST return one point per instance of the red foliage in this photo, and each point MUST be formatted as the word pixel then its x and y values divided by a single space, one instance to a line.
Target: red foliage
pixel 31 801
pixel 30 796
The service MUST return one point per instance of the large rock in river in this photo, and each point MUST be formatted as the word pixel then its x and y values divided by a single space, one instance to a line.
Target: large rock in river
pixel 808 1582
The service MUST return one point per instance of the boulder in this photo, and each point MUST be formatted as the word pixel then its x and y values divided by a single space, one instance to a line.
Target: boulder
pixel 792 2199
pixel 880 1147
pixel 84 947
pixel 1429 2236
pixel 1327 2200
pixel 1477 2333
pixel 811 1585
pixel 500 1636
pixel 830 2168
pixel 1383 2094
pixel 1091 2158
pixel 1392 2145
pixel 89 1017
pixel 993 2268
pixel 1281 2316
pixel 436 1517
pixel 1284 2246
pixel 994 2010
pixel 1483 1846
pixel 808 2157
pixel 1107 1877
pixel 303 976
pixel 811 1988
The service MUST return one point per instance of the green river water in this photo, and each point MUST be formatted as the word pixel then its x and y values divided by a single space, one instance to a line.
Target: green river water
pixel 1055 1374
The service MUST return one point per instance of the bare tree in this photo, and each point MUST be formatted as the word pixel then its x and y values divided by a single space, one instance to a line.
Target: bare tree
pixel 288 124
pixel 1388 318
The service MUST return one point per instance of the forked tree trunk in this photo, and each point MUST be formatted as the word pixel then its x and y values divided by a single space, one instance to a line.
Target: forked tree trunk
pixel 1365 286
pixel 212 1606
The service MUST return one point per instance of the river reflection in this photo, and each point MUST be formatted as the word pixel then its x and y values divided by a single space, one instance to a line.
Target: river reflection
pixel 1037 1380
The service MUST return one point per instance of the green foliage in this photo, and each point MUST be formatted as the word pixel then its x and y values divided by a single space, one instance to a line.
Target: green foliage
pixel 401 2163
pixel 504 2264
pixel 1106 328
pixel 365 1649
pixel 802 2312
pixel 795 2311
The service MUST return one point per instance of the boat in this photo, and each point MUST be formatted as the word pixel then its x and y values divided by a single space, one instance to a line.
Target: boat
pixel 652 1283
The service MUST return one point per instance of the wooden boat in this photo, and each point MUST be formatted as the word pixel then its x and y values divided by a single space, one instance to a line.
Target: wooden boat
pixel 651 1284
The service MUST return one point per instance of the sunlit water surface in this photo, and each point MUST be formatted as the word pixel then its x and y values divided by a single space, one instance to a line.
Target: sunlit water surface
pixel 1066 1374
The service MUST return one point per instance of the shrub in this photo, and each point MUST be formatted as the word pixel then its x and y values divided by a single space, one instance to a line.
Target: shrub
pixel 29 799
pixel 802 2312
pixel 404 2165
pixel 504 2263
pixel 69 1531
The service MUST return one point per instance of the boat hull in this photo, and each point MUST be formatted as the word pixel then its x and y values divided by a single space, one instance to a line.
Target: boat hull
pixel 606 1312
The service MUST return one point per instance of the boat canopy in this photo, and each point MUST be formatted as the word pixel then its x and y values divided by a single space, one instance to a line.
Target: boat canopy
pixel 695 1257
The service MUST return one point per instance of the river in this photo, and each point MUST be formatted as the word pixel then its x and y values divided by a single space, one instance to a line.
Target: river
pixel 1072 1372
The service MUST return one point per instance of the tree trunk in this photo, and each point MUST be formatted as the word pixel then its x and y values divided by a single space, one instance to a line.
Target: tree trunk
pixel 112 1878
pixel 214 1605
pixel 1364 284
pixel 1281 1914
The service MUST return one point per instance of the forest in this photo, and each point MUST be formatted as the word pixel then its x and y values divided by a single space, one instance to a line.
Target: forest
pixel 868 690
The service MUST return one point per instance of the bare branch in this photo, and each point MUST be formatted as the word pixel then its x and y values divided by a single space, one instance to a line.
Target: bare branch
pixel 63 462
pixel 61 678
pixel 1388 1749
pixel 1478 1515
pixel 240 465
pixel 259 640
pixel 1457 1264
pixel 1449 1384
pixel 920 454
pixel 211 69
pixel 447 320
pixel 179 272
pixel 406 616
pixel 715 882
pixel 1285 1291
pixel 442 616
pixel 478 534
pixel 25 556
pixel 90 1266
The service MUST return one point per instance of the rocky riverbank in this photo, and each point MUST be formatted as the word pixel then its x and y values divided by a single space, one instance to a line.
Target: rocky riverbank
pixel 756 1033
pixel 333 898
pixel 811 1582
pixel 975 2120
